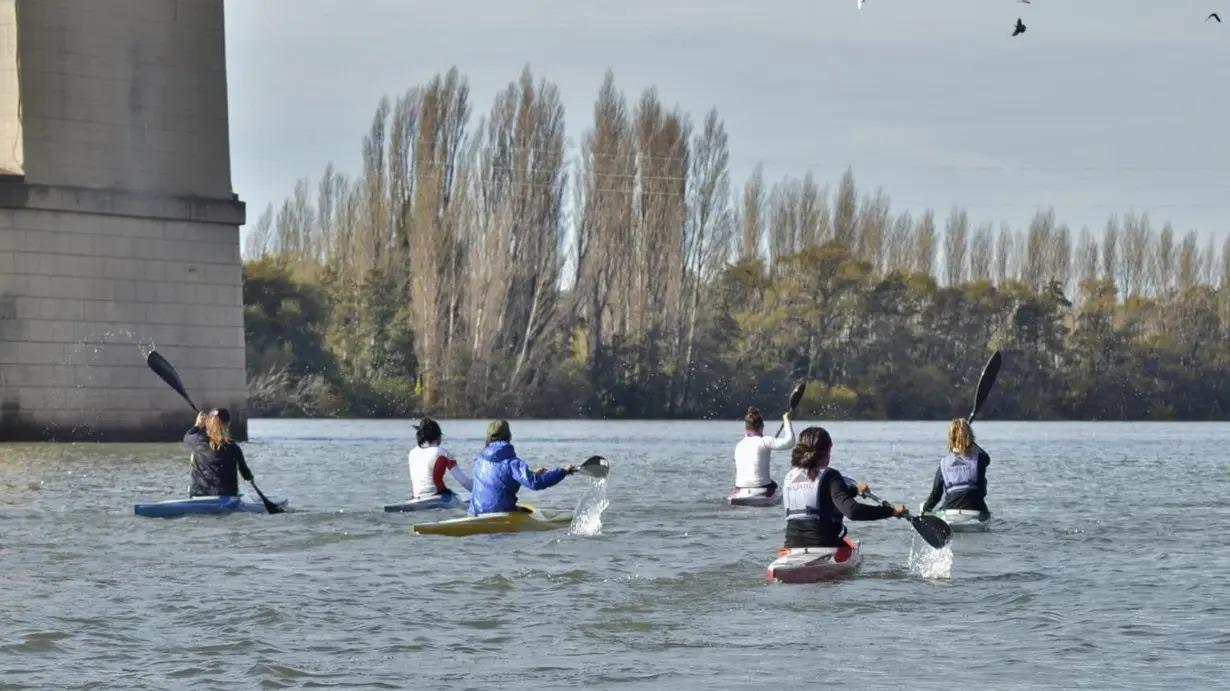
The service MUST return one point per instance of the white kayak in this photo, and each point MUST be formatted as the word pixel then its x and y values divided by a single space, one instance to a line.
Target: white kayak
pixel 964 520
pixel 438 501
pixel 813 564
pixel 755 496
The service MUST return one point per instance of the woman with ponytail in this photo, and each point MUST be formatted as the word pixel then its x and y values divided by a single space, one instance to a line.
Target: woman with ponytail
pixel 818 497
pixel 215 456
pixel 754 485
pixel 961 479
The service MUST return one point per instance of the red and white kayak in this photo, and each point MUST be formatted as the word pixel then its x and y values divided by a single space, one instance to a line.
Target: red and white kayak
pixel 812 564
pixel 755 496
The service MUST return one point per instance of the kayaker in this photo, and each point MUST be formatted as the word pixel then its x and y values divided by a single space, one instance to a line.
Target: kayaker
pixel 961 479
pixel 752 452
pixel 498 473
pixel 429 461
pixel 818 497
pixel 215 457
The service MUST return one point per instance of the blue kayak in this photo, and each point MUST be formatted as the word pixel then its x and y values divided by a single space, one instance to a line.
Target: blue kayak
pixel 204 505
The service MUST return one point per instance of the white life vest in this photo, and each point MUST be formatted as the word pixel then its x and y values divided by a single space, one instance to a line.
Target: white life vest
pixel 752 457
pixel 801 495
pixel 960 471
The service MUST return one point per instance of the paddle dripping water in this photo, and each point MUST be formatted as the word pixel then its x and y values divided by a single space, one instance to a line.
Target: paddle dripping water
pixel 927 562
pixel 587 519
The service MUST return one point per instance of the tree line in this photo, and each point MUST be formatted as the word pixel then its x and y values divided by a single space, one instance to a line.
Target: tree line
pixel 473 267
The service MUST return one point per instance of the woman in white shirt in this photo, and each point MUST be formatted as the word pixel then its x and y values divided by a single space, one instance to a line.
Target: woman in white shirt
pixel 754 485
pixel 429 461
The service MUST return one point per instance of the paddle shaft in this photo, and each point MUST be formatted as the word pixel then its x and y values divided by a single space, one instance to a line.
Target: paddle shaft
pixel 985 382
pixel 795 396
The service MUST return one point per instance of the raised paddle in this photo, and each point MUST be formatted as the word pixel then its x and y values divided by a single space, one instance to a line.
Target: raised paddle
pixel 985 382
pixel 795 397
pixel 163 369
pixel 595 466
pixel 932 529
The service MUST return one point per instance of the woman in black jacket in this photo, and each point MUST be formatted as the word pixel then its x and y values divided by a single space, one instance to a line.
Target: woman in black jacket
pixel 215 457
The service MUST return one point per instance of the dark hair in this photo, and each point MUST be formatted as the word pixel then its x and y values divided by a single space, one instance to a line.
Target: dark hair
pixel 813 444
pixel 427 431
pixel 753 419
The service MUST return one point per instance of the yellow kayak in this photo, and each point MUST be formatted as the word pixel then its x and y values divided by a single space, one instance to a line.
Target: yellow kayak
pixel 530 519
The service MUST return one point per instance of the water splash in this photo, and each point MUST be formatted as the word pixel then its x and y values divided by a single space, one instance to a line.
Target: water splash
pixel 926 562
pixel 587 519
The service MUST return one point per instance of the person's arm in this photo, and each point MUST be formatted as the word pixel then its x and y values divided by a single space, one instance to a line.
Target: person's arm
pixel 984 460
pixel 844 495
pixel 458 474
pixel 937 491
pixel 780 443
pixel 523 474
pixel 241 463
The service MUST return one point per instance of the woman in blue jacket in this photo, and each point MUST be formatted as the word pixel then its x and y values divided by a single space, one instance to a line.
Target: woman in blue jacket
pixel 498 473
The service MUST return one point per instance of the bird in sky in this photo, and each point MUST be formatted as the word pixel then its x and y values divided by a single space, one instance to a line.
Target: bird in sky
pixel 1020 27
pixel 1027 2
pixel 1213 15
pixel 860 3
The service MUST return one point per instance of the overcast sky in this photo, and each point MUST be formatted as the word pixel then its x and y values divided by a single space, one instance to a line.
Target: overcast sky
pixel 1102 106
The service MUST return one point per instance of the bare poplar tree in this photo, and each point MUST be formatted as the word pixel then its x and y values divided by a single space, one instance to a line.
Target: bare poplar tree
pixel 813 213
pixel 374 232
pixel 1188 272
pixel 872 226
pixel 707 238
pixel 900 246
pixel 1110 252
pixel 1134 254
pixel 1086 257
pixel 956 241
pixel 845 212
pixel 257 242
pixel 1163 264
pixel 751 216
pixel 923 259
pixel 444 112
pixel 603 231
pixel 981 252
pixel 1004 252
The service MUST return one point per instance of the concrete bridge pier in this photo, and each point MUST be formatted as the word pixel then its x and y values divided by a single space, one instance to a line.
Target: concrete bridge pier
pixel 118 225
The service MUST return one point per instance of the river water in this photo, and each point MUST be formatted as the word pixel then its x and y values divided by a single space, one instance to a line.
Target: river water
pixel 1090 578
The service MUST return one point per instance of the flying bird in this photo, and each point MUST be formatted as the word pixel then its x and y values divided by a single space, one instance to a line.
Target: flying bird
pixel 1027 2
pixel 1020 27
pixel 860 3
pixel 1214 15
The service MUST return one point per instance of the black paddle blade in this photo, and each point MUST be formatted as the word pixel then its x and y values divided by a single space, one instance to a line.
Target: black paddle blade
pixel 595 466
pixel 934 530
pixel 164 369
pixel 270 507
pixel 985 382
pixel 797 395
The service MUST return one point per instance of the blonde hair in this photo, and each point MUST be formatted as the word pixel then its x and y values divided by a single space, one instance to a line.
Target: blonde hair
pixel 218 431
pixel 960 436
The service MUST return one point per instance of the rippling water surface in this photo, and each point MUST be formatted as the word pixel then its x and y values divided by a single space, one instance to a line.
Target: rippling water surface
pixel 1090 578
